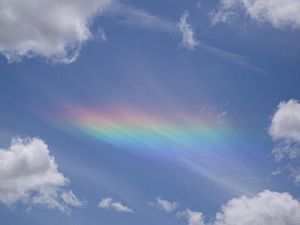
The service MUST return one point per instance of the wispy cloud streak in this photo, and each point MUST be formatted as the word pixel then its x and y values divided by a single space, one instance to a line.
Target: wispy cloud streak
pixel 139 18
pixel 238 59
pixel 134 17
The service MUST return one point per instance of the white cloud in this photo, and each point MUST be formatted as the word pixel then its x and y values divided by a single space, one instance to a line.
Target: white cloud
pixel 56 30
pixel 109 203
pixel 286 121
pixel 28 173
pixel 267 207
pixel 71 199
pixel 188 39
pixel 194 218
pixel 285 131
pixel 53 29
pixel 278 13
pixel 164 205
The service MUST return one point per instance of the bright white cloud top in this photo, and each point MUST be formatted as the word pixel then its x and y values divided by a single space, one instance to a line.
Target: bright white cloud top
pixel 109 203
pixel 267 207
pixel 55 30
pixel 164 205
pixel 285 131
pixel 286 122
pixel 29 174
pixel 278 13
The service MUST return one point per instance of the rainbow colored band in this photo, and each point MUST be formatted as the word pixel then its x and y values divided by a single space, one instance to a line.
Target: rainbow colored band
pixel 127 127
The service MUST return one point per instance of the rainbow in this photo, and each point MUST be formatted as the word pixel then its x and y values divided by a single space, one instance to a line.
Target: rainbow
pixel 131 128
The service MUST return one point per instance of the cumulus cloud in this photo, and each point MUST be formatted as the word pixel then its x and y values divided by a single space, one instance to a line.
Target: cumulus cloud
pixel 286 121
pixel 278 13
pixel 267 207
pixel 194 218
pixel 285 131
pixel 29 174
pixel 188 39
pixel 164 205
pixel 53 29
pixel 109 203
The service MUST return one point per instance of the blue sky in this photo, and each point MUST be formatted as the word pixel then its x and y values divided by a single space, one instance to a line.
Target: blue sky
pixel 188 109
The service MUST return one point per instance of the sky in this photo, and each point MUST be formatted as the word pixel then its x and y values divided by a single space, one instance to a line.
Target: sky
pixel 126 112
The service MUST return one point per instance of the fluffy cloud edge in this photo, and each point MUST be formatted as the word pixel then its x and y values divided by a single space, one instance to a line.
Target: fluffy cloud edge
pixel 188 37
pixel 164 205
pixel 280 14
pixel 193 217
pixel 29 174
pixel 54 30
pixel 284 130
pixel 110 203
pixel 267 207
